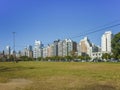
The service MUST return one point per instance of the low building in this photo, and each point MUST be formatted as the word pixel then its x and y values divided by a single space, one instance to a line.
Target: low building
pixel 96 55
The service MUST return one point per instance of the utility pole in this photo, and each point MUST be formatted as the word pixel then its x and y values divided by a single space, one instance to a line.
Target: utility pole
pixel 14 53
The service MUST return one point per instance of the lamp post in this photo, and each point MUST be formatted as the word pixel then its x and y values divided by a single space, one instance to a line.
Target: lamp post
pixel 14 53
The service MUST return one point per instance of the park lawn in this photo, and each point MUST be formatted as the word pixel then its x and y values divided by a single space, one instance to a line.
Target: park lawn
pixel 62 75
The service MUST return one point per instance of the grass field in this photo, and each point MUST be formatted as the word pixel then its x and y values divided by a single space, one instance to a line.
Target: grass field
pixel 59 76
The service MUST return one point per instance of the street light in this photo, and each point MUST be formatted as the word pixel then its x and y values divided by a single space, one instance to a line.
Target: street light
pixel 14 54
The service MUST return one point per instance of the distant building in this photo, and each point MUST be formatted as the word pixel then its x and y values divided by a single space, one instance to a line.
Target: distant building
pixel 85 47
pixel 66 46
pixel 95 48
pixel 78 49
pixel 96 55
pixel 24 52
pixel 51 49
pixel 48 51
pixel 7 50
pixel 96 52
pixel 19 54
pixel 27 51
pixel 55 43
pixel 60 48
pixel 37 50
pixel 106 42
pixel 45 52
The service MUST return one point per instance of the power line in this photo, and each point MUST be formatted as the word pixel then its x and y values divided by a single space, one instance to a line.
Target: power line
pixel 97 30
pixel 102 26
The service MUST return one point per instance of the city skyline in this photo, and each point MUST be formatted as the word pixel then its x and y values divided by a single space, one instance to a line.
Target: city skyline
pixel 45 45
pixel 66 47
pixel 50 20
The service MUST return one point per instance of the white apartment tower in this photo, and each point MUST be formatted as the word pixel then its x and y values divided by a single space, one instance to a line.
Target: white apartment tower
pixel 106 42
pixel 37 51
pixel 8 50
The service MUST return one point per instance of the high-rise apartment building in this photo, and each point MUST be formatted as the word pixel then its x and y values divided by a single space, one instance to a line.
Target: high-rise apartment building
pixel 27 51
pixel 55 43
pixel 37 50
pixel 45 52
pixel 60 48
pixel 51 49
pixel 66 46
pixel 106 42
pixel 48 51
pixel 8 50
pixel 85 47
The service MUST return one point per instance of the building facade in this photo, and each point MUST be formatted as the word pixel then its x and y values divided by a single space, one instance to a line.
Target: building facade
pixel 45 52
pixel 106 42
pixel 55 43
pixel 85 47
pixel 66 46
pixel 60 48
pixel 28 51
pixel 38 49
pixel 8 50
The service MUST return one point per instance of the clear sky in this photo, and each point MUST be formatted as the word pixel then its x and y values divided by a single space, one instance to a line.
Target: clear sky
pixel 48 20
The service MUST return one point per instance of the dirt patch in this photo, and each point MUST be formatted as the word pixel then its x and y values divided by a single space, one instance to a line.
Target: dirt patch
pixel 99 87
pixel 14 83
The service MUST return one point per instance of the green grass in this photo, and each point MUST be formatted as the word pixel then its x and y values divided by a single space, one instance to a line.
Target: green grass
pixel 63 75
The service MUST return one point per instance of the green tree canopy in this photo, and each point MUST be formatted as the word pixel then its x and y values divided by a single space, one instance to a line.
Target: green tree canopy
pixel 116 45
pixel 106 56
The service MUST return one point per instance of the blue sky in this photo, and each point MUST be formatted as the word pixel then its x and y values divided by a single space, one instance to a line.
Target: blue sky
pixel 48 20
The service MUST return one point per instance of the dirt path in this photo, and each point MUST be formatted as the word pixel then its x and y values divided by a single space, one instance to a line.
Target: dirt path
pixel 14 83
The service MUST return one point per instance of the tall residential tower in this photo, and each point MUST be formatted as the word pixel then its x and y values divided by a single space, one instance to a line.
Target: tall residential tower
pixel 37 50
pixel 106 42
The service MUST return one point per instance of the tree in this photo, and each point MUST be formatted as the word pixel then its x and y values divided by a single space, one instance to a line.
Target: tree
pixel 25 58
pixel 11 58
pixel 80 57
pixel 106 56
pixel 73 54
pixel 39 58
pixel 87 57
pixel 118 57
pixel 68 58
pixel 30 59
pixel 116 45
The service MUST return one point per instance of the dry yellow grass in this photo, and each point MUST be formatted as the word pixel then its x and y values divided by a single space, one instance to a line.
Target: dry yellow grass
pixel 14 84
pixel 62 75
